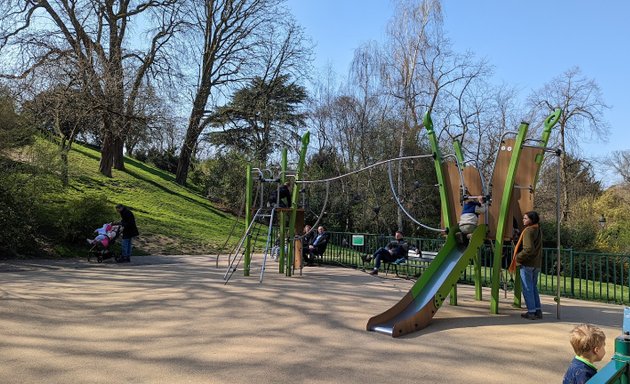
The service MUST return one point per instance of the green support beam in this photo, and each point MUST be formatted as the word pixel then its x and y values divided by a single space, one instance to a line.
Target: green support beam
pixel 457 147
pixel 282 219
pixel 504 212
pixel 550 121
pixel 449 221
pixel 249 187
pixel 294 199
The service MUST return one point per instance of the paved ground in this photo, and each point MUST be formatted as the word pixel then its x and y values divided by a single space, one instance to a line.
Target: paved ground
pixel 171 320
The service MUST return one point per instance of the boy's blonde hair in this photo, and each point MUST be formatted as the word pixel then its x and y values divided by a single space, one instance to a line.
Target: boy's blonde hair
pixel 585 338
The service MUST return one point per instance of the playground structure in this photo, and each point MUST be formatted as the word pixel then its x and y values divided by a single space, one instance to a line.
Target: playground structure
pixel 511 190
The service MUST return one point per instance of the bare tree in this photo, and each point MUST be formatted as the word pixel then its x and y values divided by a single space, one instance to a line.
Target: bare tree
pixel 234 41
pixel 93 35
pixel 480 114
pixel 423 71
pixel 583 109
pixel 619 162
pixel 155 124
pixel 64 112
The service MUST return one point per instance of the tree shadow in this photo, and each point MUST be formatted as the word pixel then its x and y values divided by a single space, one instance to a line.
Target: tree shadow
pixel 204 204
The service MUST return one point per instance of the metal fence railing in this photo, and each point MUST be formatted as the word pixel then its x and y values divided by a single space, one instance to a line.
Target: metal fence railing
pixel 583 275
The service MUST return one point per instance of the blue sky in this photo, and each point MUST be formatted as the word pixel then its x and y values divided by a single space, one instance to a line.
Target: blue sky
pixel 527 42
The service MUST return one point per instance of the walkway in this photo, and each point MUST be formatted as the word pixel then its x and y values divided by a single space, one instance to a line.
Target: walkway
pixel 171 320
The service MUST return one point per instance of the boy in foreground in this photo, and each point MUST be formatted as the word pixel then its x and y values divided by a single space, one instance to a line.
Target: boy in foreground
pixel 589 344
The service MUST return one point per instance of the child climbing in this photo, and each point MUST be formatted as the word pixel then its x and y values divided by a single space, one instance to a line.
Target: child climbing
pixel 473 207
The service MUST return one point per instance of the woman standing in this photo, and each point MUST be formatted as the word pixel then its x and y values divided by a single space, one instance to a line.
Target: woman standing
pixel 528 255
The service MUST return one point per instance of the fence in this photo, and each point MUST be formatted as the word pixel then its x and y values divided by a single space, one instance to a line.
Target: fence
pixel 583 275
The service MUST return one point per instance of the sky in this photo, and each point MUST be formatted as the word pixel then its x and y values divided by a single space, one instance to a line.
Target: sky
pixel 527 42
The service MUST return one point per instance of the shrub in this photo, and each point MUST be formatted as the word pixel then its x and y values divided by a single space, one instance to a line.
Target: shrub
pixel 223 177
pixel 74 220
pixel 165 160
pixel 17 224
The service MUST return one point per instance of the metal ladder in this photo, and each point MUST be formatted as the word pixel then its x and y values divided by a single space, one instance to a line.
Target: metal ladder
pixel 237 254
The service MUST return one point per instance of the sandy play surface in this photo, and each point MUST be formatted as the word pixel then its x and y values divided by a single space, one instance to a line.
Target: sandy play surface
pixel 170 319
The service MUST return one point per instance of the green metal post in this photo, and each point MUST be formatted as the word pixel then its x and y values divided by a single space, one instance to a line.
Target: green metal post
pixel 441 178
pixel 294 199
pixel 249 187
pixel 477 267
pixel 572 271
pixel 457 146
pixel 449 221
pixel 504 211
pixel 550 121
pixel 283 178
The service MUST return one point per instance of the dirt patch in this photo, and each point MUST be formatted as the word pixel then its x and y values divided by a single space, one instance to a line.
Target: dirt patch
pixel 160 244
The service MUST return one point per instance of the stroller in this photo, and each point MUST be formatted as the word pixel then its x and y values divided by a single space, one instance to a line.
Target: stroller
pixel 103 244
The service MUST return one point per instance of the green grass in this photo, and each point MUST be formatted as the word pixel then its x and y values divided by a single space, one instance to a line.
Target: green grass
pixel 172 219
pixel 583 289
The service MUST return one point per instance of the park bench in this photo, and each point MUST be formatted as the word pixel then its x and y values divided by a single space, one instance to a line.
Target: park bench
pixel 417 261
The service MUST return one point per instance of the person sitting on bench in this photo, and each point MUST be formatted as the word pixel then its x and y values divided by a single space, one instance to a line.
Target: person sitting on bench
pixel 318 247
pixel 395 250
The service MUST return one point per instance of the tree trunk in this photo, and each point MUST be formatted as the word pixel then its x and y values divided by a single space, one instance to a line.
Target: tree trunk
pixel 107 155
pixel 563 176
pixel 399 181
pixel 130 147
pixel 192 135
pixel 119 160
pixel 182 166
pixel 64 165
pixel 185 156
pixel 564 187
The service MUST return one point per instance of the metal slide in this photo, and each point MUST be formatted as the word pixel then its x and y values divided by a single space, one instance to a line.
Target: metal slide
pixel 416 309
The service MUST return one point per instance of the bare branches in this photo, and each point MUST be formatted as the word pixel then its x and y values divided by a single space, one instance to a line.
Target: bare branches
pixel 619 162
pixel 583 109
pixel 239 40
pixel 92 35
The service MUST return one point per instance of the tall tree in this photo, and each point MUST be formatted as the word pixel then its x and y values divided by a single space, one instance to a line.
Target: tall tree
pixel 234 41
pixel 94 36
pixel 583 109
pixel 63 112
pixel 260 117
pixel 422 68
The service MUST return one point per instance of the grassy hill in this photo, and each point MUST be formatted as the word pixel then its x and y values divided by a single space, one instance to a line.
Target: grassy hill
pixel 172 219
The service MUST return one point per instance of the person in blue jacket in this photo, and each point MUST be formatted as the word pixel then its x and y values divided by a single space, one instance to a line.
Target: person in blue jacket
pixel 589 344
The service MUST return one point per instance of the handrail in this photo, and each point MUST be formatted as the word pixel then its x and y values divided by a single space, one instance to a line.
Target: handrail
pixel 363 169
pixel 391 185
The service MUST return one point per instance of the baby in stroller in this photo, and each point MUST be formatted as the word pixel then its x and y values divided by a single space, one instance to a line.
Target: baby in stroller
pixel 103 242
